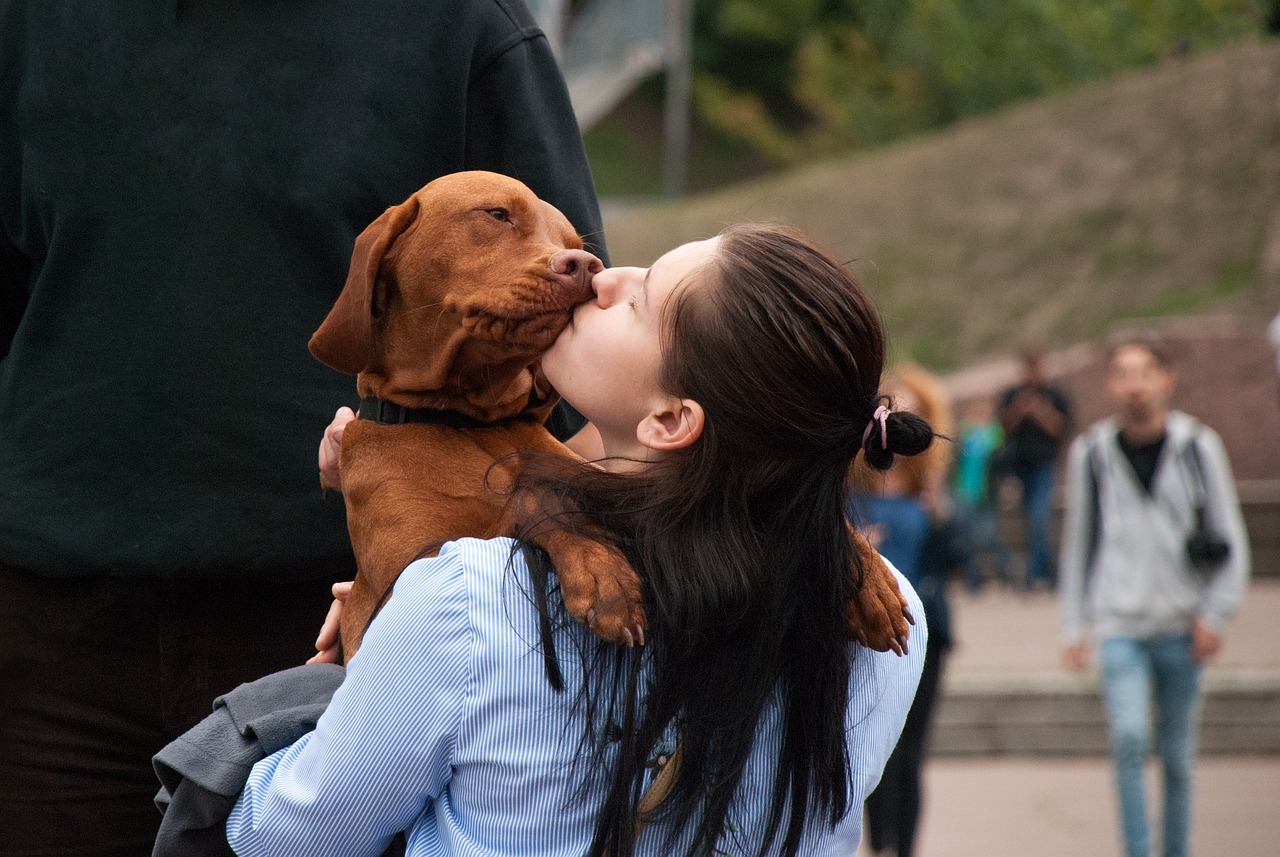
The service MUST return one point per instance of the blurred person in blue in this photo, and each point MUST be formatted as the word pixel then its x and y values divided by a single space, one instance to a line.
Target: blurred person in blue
pixel 905 512
pixel 1036 417
pixel 1155 563
pixel 181 185
pixel 975 487
pixel 731 383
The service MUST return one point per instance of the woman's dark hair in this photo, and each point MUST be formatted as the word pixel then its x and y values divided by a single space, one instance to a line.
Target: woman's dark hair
pixel 740 541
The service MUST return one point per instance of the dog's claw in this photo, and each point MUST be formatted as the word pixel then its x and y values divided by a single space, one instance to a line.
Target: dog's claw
pixel 599 587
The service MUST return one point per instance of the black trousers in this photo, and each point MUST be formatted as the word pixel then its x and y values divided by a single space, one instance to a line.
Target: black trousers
pixel 893 808
pixel 97 674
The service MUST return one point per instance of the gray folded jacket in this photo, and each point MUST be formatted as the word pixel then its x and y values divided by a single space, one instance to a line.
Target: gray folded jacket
pixel 203 771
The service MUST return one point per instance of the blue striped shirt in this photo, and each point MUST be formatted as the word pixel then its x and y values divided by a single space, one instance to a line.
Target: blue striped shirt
pixel 446 728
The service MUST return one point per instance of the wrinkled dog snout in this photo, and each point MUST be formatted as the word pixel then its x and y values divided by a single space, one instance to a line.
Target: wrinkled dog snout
pixel 573 270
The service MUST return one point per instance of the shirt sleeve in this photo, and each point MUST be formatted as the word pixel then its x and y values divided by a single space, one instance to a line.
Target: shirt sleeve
pixel 382 750
pixel 520 122
pixel 1074 549
pixel 879 701
pixel 1227 587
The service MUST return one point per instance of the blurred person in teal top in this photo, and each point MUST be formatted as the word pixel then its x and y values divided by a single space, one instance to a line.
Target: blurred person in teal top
pixel 975 489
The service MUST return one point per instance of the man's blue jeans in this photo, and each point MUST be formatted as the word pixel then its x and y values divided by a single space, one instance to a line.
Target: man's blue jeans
pixel 1133 673
pixel 1037 503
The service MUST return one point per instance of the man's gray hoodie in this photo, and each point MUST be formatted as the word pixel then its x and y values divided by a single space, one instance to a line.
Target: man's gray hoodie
pixel 1141 582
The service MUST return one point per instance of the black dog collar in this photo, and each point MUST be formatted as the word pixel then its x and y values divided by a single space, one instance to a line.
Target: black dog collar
pixel 390 414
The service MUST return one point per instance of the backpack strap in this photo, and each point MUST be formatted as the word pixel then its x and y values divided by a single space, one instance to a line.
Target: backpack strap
pixel 1093 474
pixel 1194 466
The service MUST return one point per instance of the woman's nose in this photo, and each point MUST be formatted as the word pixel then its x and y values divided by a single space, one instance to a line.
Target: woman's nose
pixel 608 286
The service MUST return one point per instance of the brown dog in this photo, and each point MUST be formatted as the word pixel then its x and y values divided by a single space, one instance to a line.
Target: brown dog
pixel 451 298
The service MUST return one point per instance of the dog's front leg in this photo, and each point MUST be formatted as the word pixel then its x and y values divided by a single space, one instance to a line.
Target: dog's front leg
pixel 878 614
pixel 597 583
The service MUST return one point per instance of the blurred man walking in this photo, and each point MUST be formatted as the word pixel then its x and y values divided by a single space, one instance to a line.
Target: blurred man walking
pixel 1155 558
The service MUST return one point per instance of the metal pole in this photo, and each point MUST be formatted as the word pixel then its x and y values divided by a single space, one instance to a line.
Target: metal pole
pixel 550 17
pixel 677 38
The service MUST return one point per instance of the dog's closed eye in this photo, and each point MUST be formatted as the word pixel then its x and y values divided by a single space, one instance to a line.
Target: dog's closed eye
pixel 498 214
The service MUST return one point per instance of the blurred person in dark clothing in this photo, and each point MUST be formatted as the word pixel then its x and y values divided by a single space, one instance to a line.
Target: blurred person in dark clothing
pixel 181 186
pixel 1036 417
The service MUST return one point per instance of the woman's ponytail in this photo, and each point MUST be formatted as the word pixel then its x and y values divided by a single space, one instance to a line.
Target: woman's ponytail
pixel 890 433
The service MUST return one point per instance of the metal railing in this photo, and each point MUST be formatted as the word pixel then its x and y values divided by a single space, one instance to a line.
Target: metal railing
pixel 606 49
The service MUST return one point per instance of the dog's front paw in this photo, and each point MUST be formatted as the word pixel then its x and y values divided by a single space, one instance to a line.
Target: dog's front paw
pixel 878 616
pixel 600 588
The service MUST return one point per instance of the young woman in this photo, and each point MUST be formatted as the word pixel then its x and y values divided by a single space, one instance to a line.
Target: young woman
pixel 731 383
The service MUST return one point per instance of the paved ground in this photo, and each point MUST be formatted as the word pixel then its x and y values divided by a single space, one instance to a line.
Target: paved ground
pixel 1024 807
pixel 999 631
pixel 1058 807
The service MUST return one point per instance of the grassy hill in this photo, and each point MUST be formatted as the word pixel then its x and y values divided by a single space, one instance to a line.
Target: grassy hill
pixel 1156 194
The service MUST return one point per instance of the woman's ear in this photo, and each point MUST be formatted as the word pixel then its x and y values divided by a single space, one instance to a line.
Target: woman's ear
pixel 674 425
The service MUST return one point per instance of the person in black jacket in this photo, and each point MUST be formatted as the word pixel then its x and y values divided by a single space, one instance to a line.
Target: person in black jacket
pixel 1036 417
pixel 181 185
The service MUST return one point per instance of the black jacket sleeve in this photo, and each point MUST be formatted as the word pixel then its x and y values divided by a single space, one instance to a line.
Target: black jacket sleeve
pixel 14 271
pixel 520 123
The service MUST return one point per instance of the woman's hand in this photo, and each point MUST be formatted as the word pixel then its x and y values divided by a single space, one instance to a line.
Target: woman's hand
pixel 327 642
pixel 331 446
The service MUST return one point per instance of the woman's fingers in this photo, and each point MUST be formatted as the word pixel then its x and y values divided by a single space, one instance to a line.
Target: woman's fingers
pixel 331 447
pixel 327 641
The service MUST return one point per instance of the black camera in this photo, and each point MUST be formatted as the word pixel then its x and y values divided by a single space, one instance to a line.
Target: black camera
pixel 1204 548
pixel 1207 550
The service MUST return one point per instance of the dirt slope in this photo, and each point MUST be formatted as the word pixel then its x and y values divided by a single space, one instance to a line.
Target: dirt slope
pixel 1157 194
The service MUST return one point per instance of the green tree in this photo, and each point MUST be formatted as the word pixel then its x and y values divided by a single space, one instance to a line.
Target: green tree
pixel 797 78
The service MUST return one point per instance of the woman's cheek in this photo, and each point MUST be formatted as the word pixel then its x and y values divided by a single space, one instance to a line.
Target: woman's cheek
pixel 553 364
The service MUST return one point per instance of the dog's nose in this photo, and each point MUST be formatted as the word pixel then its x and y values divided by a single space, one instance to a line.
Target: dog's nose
pixel 574 270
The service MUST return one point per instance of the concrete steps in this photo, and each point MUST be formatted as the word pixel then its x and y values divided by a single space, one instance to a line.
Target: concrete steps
pixel 1005 692
pixel 1060 714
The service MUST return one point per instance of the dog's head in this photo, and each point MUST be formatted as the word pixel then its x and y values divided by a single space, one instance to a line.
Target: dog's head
pixel 454 294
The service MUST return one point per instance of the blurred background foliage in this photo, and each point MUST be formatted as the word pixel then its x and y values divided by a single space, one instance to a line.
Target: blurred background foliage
pixel 777 83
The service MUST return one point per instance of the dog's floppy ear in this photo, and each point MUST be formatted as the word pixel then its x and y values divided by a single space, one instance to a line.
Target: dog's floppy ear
pixel 344 340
